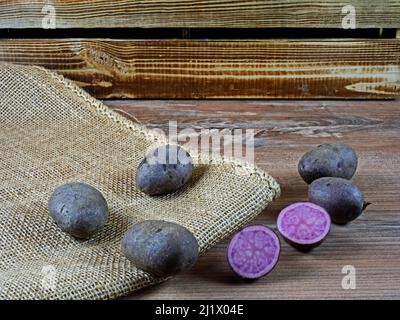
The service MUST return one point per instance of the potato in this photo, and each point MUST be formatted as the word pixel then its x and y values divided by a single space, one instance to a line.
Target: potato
pixel 164 170
pixel 254 251
pixel 328 160
pixel 160 248
pixel 78 209
pixel 340 197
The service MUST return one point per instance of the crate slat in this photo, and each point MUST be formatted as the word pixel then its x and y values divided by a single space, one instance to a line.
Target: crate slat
pixel 218 69
pixel 199 14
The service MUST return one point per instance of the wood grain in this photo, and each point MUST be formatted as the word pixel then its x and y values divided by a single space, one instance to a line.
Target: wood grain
pixel 199 14
pixel 287 129
pixel 219 69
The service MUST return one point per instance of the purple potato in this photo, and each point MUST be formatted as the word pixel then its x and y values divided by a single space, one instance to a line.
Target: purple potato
pixel 160 248
pixel 253 252
pixel 343 200
pixel 164 170
pixel 78 209
pixel 304 225
pixel 328 160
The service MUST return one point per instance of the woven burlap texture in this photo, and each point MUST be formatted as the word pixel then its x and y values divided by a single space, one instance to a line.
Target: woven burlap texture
pixel 52 132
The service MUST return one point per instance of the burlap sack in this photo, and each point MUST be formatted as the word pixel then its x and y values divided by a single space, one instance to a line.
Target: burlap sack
pixel 52 132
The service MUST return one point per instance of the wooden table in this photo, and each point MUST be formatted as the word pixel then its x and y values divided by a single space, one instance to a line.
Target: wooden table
pixel 285 130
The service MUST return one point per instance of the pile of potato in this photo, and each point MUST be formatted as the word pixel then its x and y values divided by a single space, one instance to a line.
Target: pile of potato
pixel 164 248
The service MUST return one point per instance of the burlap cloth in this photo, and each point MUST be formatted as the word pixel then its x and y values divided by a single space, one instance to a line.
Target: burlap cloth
pixel 52 132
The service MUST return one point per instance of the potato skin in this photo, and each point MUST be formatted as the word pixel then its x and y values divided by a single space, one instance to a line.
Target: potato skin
pixel 160 248
pixel 78 209
pixel 164 170
pixel 343 200
pixel 328 160
pixel 299 208
pixel 302 247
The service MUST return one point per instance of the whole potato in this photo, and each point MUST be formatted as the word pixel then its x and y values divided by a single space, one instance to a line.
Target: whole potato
pixel 328 160
pixel 164 170
pixel 78 209
pixel 341 198
pixel 160 248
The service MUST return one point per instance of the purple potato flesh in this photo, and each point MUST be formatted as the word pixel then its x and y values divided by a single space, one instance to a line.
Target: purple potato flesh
pixel 254 251
pixel 304 225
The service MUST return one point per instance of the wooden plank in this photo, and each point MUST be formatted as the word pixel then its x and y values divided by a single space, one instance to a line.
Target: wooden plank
pixel 287 129
pixel 219 69
pixel 200 14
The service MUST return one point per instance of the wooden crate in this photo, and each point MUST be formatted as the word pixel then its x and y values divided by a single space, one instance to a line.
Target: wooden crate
pixel 207 49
